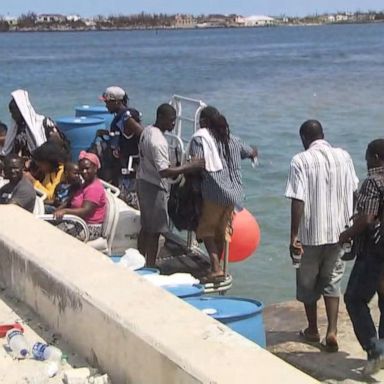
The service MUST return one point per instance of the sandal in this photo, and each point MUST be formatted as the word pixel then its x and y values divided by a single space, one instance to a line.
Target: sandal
pixel 212 279
pixel 311 338
pixel 330 346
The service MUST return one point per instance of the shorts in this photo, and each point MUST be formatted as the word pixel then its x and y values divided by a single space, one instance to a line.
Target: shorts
pixel 153 203
pixel 320 273
pixel 215 221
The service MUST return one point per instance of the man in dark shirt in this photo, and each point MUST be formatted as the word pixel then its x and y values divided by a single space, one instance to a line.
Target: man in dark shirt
pixel 19 190
pixel 367 276
pixel 125 131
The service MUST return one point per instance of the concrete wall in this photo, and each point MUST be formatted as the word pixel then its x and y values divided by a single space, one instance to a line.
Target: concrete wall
pixel 135 332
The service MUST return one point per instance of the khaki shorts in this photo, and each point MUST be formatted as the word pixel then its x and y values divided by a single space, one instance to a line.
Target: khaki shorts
pixel 215 221
pixel 320 273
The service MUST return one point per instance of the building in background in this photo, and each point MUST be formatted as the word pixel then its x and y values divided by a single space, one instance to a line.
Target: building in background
pixel 255 21
pixel 51 18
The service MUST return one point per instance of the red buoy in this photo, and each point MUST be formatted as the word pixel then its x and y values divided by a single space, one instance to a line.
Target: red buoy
pixel 245 237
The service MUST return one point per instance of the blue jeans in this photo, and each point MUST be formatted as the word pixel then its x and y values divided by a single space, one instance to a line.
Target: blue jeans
pixel 365 280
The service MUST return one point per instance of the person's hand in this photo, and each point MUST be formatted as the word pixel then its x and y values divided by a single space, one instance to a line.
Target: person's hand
pixel 255 152
pixel 116 153
pixel 58 214
pixel 196 163
pixel 344 237
pixel 29 176
pixel 27 163
pixel 295 248
pixel 102 132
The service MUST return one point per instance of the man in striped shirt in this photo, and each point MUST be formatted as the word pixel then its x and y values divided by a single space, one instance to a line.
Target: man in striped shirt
pixel 367 276
pixel 321 184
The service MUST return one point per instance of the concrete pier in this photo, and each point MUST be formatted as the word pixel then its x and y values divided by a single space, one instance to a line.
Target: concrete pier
pixel 283 323
pixel 133 331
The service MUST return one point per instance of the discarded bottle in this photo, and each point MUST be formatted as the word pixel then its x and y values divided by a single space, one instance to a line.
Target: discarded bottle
pixel 17 343
pixel 41 351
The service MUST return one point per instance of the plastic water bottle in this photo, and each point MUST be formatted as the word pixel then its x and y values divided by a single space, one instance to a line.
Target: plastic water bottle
pixel 17 343
pixel 41 351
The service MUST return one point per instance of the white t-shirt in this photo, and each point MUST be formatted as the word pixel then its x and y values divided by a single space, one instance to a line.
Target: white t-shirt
pixel 323 178
pixel 154 156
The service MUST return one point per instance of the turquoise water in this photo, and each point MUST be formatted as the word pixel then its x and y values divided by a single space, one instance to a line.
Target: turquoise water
pixel 266 81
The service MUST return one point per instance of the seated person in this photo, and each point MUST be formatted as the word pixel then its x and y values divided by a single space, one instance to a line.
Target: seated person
pixel 3 181
pixel 30 130
pixel 49 159
pixel 3 133
pixel 19 189
pixel 66 189
pixel 89 201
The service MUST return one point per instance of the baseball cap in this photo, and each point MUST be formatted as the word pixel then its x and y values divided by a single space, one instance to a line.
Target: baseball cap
pixel 113 93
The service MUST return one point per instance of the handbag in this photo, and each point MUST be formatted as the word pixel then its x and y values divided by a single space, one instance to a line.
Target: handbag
pixel 372 239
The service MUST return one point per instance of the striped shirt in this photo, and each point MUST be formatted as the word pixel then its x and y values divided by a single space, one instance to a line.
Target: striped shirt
pixel 223 187
pixel 323 178
pixel 371 194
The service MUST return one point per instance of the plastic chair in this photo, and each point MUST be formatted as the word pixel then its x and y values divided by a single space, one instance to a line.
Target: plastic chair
pixel 104 243
pixel 38 209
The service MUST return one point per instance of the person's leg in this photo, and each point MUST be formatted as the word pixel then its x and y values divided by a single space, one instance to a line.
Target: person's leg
pixel 152 240
pixel 206 231
pixel 331 274
pixel 332 310
pixel 224 230
pixel 214 256
pixel 380 293
pixel 311 313
pixel 153 217
pixel 381 308
pixel 361 288
pixel 142 242
pixel 306 282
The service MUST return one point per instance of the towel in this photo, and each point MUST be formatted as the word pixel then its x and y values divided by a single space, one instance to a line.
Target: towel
pixel 35 129
pixel 212 158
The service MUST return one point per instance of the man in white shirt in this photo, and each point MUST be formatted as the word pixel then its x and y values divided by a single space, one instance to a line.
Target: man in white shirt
pixel 321 184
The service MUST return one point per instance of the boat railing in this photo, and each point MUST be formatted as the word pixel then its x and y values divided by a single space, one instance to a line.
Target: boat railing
pixel 178 102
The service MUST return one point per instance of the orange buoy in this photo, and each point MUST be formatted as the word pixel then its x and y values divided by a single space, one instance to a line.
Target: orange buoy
pixel 245 237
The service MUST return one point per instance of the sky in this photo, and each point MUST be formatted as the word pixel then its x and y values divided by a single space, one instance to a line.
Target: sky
pixel 241 7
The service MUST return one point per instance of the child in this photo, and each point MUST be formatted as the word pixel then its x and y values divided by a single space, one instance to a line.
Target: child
pixel 65 190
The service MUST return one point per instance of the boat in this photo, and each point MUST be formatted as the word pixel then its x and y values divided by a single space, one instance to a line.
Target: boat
pixel 179 252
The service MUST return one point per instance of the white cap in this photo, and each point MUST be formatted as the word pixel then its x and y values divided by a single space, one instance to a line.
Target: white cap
pixel 113 93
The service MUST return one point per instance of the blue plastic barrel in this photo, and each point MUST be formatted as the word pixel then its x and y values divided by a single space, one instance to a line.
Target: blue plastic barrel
pixel 244 316
pixel 95 111
pixel 80 131
pixel 184 291
pixel 148 271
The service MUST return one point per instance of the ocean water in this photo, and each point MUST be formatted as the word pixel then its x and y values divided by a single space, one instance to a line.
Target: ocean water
pixel 265 81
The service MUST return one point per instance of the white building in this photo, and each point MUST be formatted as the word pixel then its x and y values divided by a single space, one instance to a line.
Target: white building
pixel 50 18
pixel 73 18
pixel 254 21
pixel 11 20
pixel 341 17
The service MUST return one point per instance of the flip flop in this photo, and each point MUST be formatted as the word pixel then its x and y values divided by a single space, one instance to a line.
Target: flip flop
pixel 308 337
pixel 329 346
pixel 212 279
